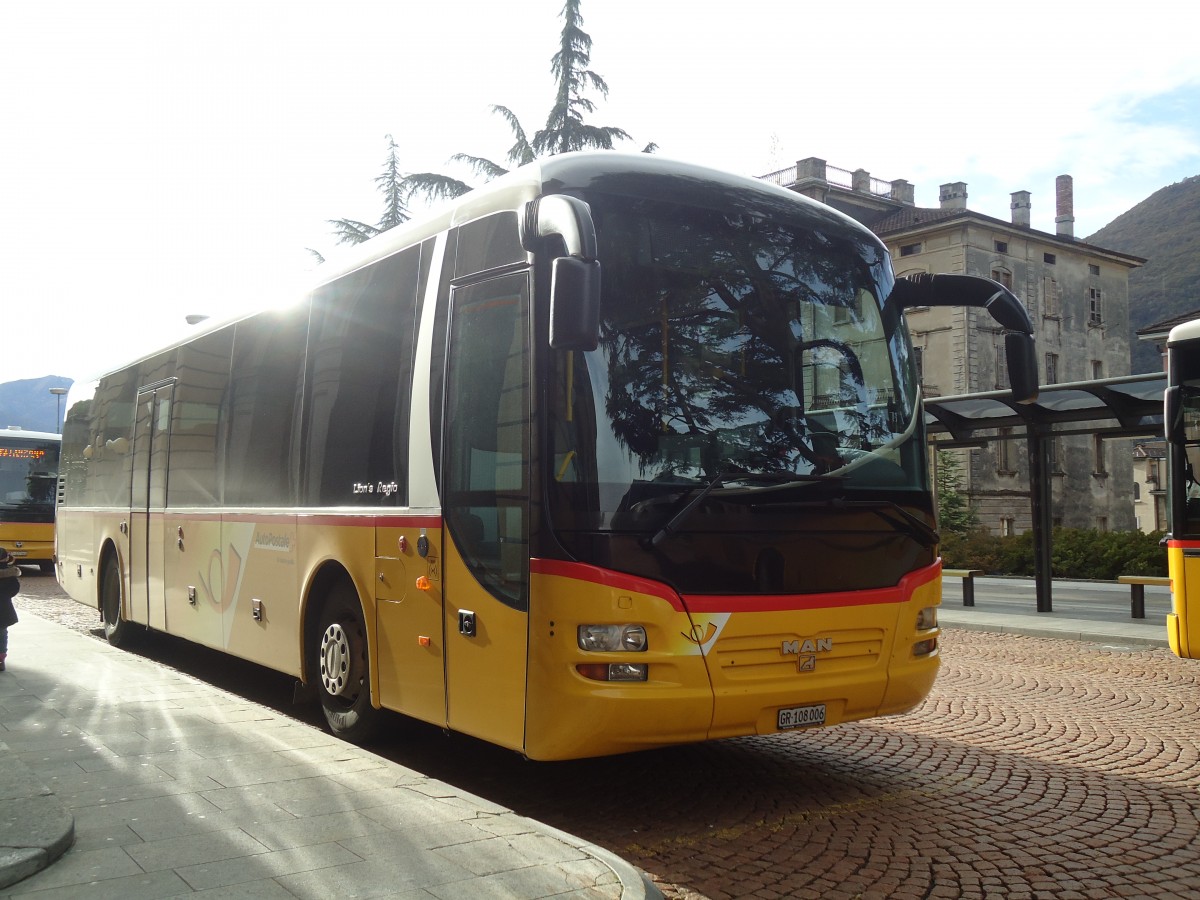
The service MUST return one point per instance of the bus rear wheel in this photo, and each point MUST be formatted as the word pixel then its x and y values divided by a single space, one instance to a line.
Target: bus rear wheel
pixel 341 670
pixel 116 629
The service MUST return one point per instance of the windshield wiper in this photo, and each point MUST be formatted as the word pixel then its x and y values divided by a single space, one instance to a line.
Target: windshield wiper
pixel 676 520
pixel 726 475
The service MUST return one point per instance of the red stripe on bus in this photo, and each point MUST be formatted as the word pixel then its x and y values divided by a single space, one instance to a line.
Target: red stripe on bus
pixel 720 603
pixel 1184 545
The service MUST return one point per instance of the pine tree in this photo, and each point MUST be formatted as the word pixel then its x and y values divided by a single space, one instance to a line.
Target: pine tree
pixel 955 515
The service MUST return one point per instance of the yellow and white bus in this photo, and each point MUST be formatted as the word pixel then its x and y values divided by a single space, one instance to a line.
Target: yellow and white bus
pixel 1181 416
pixel 28 473
pixel 613 453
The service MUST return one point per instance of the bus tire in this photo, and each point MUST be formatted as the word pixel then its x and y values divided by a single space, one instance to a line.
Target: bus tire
pixel 112 603
pixel 341 669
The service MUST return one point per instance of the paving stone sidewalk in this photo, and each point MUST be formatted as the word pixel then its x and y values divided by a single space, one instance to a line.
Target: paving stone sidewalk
pixel 120 777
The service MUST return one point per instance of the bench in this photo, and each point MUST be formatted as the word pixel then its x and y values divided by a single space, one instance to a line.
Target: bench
pixel 968 582
pixel 1137 591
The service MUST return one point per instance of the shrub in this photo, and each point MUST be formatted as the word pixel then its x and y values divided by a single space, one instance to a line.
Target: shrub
pixel 1076 553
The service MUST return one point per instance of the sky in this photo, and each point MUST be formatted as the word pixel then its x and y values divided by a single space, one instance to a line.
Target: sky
pixel 172 158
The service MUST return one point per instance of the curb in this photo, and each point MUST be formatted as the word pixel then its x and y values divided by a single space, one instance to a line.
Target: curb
pixel 35 828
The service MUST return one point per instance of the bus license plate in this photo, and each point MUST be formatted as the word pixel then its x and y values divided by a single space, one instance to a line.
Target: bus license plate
pixel 802 716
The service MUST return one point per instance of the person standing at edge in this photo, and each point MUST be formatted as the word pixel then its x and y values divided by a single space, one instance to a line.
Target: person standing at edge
pixel 10 584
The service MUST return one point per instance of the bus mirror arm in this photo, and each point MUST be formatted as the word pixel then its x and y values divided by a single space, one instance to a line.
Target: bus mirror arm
pixel 924 289
pixel 1021 355
pixel 557 214
pixel 575 277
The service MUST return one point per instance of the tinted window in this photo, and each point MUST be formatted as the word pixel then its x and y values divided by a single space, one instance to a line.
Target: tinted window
pixel 268 355
pixel 487 426
pixel 202 373
pixel 488 243
pixel 360 355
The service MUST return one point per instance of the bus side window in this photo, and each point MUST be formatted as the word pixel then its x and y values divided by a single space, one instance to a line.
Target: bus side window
pixel 268 353
pixel 358 385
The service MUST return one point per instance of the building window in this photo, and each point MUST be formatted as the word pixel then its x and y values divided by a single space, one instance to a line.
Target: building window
pixel 1006 527
pixel 1004 452
pixel 1097 370
pixel 1003 276
pixel 1093 270
pixel 1098 455
pixel 1049 259
pixel 1000 246
pixel 1137 490
pixel 1050 296
pixel 1051 368
pixel 1102 523
pixel 919 363
pixel 910 249
pixel 1095 307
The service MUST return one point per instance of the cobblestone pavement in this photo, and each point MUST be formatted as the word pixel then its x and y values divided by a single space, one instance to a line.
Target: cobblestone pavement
pixel 1037 768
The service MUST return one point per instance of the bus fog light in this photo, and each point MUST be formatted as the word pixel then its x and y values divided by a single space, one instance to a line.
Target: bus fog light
pixel 627 672
pixel 925 647
pixel 614 671
pixel 927 618
pixel 630 638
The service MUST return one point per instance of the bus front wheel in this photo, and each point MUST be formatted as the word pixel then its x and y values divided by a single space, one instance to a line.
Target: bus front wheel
pixel 341 670
pixel 116 629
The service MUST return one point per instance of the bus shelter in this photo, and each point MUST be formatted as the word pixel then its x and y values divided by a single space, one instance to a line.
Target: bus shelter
pixel 1126 407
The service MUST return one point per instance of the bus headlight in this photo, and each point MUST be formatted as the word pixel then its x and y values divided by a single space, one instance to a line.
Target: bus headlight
pixel 927 618
pixel 610 638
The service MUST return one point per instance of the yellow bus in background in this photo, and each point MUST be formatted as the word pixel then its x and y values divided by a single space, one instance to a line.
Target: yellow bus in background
pixel 610 454
pixel 28 475
pixel 1181 417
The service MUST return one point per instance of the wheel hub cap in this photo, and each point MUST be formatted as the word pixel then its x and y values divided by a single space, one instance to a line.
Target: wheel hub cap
pixel 335 661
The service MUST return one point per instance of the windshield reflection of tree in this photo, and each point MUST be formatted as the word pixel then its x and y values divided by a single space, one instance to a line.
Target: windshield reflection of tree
pixel 709 360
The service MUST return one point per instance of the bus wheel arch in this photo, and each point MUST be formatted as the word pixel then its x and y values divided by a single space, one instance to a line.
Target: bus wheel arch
pixel 337 656
pixel 110 598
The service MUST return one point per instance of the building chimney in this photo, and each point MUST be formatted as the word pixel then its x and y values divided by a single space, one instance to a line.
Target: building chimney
pixel 1064 194
pixel 954 195
pixel 1020 208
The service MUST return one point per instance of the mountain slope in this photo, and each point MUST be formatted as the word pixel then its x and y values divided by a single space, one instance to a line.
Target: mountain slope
pixel 1165 229
pixel 29 404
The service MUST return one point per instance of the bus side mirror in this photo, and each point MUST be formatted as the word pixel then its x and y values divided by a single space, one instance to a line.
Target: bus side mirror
pixel 574 304
pixel 1172 415
pixel 1019 350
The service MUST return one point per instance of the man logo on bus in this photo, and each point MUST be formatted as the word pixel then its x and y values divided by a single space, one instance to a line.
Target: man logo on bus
pixel 806 652
pixel 794 648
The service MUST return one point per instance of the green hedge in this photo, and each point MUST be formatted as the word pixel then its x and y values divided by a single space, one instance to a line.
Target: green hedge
pixel 1077 553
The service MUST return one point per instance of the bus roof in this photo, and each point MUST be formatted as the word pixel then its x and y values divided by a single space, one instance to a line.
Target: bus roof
pixel 1185 331
pixel 16 431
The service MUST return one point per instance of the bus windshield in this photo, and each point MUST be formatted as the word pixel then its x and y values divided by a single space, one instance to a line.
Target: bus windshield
pixel 753 359
pixel 28 470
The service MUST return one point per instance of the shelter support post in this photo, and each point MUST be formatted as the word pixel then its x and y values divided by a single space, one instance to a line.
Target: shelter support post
pixel 1039 445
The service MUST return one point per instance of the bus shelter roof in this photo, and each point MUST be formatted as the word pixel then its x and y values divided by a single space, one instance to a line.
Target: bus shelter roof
pixel 1131 406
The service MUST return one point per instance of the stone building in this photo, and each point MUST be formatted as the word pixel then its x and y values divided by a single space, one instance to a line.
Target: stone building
pixel 1077 295
pixel 1149 486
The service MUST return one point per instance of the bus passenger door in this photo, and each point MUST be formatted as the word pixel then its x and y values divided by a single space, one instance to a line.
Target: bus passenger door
pixel 485 508
pixel 148 499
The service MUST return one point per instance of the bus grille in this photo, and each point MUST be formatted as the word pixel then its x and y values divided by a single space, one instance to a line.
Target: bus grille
pixel 770 656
